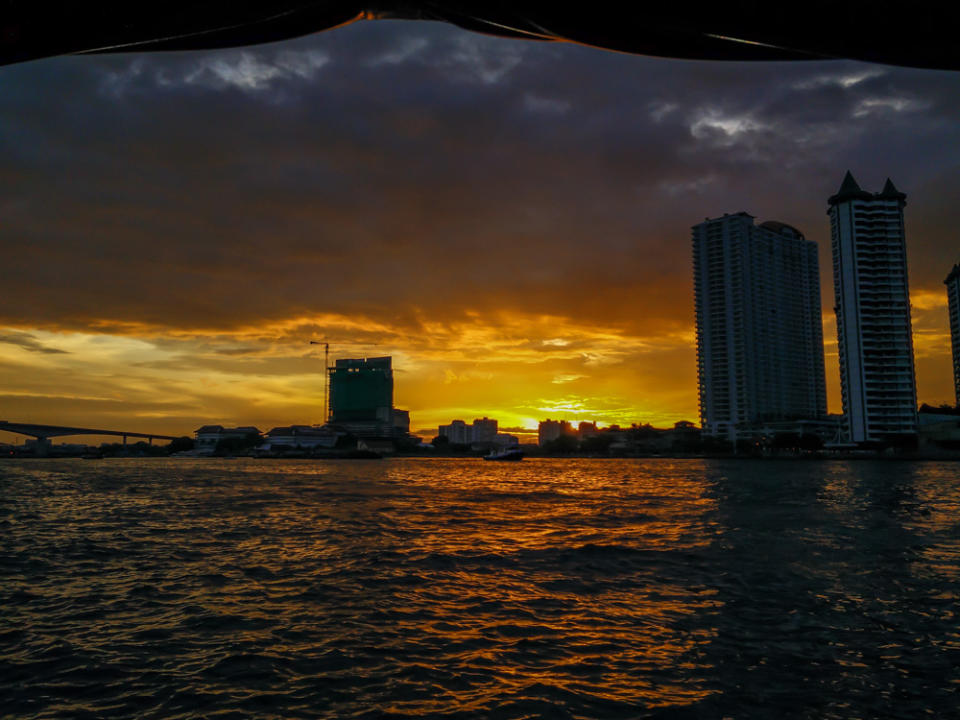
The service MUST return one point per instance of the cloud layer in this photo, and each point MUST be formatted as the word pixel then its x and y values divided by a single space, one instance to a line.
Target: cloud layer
pixel 461 201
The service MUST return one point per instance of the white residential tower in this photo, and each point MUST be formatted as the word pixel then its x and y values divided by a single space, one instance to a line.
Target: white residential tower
pixel 759 325
pixel 953 295
pixel 877 378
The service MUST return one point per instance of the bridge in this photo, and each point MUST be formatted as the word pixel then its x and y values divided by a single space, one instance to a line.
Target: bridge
pixel 43 433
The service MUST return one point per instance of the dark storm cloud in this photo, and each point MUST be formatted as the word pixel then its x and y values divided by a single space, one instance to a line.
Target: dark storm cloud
pixel 26 341
pixel 397 169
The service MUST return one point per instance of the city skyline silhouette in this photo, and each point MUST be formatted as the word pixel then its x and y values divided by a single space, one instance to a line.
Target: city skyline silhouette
pixel 525 261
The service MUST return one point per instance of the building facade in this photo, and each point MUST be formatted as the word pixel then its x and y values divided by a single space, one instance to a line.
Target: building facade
pixel 457 432
pixel 759 325
pixel 362 390
pixel 875 337
pixel 300 437
pixel 209 436
pixel 483 430
pixel 953 296
pixel 549 430
pixel 361 399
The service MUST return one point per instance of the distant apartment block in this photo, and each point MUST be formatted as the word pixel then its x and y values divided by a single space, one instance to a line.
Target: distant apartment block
pixel 457 432
pixel 877 377
pixel 953 295
pixel 483 430
pixel 759 325
pixel 549 430
pixel 587 429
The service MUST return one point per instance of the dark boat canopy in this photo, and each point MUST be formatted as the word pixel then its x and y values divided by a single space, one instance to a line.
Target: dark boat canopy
pixel 919 34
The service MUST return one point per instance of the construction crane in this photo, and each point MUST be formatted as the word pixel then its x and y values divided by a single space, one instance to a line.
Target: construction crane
pixel 326 378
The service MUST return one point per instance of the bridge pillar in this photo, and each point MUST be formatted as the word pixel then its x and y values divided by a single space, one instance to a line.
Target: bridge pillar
pixel 149 441
pixel 43 447
pixel 124 439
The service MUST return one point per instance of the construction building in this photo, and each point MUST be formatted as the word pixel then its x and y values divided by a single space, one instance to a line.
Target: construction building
pixel 361 398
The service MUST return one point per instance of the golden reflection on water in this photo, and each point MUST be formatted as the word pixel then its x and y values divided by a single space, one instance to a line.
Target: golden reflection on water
pixel 510 568
pixel 547 511
pixel 938 497
pixel 433 586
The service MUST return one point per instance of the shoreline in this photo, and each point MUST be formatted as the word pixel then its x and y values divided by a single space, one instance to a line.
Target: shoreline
pixel 918 457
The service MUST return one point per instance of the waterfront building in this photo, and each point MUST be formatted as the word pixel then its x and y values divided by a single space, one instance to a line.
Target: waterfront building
pixel 953 296
pixel 587 429
pixel 549 430
pixel 877 377
pixel 938 429
pixel 828 428
pixel 361 390
pixel 300 437
pixel 361 398
pixel 457 432
pixel 684 434
pixel 485 430
pixel 208 436
pixel 759 325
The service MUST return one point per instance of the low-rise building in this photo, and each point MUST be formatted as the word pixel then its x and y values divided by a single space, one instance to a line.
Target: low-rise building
pixel 381 446
pixel 683 436
pixel 208 436
pixel 829 428
pixel 303 437
pixel 939 429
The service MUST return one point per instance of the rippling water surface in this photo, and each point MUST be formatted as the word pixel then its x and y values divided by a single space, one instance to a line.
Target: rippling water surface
pixel 458 588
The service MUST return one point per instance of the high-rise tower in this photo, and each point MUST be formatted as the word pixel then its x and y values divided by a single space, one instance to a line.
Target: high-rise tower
pixel 953 295
pixel 759 325
pixel 361 390
pixel 877 378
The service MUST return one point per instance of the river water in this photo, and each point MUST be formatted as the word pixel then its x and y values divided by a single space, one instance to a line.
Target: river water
pixel 464 589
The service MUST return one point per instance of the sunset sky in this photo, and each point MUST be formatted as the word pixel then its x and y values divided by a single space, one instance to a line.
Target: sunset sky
pixel 509 220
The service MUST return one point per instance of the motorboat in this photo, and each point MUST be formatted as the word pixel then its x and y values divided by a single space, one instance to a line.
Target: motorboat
pixel 513 453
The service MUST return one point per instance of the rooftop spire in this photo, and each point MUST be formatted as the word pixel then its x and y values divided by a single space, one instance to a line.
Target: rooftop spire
pixel 890 191
pixel 849 184
pixel 849 190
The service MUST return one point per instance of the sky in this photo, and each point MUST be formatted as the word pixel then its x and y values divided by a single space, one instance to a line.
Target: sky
pixel 509 220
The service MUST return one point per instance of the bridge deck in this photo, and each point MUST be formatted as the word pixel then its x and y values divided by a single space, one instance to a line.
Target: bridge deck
pixel 48 431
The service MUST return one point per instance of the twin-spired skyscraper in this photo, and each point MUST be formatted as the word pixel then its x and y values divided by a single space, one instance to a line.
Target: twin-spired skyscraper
pixel 759 326
pixel 953 299
pixel 877 378
pixel 759 331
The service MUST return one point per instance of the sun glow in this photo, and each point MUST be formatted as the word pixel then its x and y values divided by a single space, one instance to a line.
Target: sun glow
pixel 516 368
